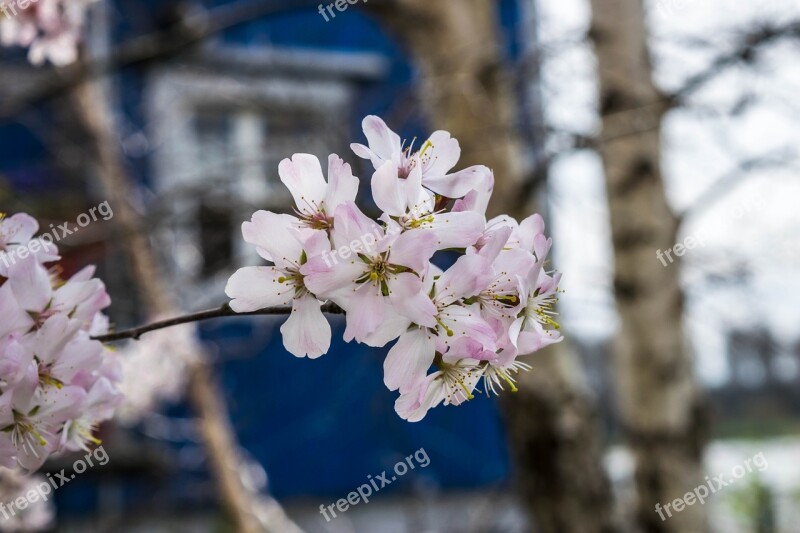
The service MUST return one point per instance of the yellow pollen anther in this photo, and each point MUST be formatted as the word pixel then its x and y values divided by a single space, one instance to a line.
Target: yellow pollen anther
pixel 428 144
pixel 466 391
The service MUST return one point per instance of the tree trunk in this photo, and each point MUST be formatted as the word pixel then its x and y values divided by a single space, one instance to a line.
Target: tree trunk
pixel 661 407
pixel 466 89
pixel 555 434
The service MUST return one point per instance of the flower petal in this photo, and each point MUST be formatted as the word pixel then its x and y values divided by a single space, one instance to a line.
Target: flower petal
pixel 364 313
pixel 477 199
pixel 445 153
pixel 14 318
pixel 467 321
pixel 458 230
pixel 31 284
pixel 325 274
pixel 302 175
pixel 534 339
pixel 342 184
pixel 382 141
pixel 458 184
pixel 19 228
pixel 307 331
pixel 388 191
pixel 350 224
pixel 254 288
pixel 409 359
pixel 408 298
pixel 467 277
pixel 415 404
pixel 529 229
pixel 393 325
pixel 494 241
pixel 275 236
pixel 413 249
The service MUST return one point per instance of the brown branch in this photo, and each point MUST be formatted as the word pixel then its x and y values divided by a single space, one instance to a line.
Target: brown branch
pixel 219 312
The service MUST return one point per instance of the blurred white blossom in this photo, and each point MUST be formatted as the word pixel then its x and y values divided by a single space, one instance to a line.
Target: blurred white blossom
pixel 154 370
pixel 38 515
pixel 50 29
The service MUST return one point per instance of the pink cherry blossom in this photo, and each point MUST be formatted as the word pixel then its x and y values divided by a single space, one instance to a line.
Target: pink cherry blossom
pixel 315 199
pixel 431 164
pixel 453 327
pixel 391 271
pixel 50 29
pixel 451 384
pixel 17 240
pixel 282 240
pixel 446 318
pixel 407 205
pixel 56 384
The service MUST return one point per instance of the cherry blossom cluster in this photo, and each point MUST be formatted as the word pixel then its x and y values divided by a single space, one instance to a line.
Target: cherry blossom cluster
pixel 56 383
pixel 50 29
pixel 468 322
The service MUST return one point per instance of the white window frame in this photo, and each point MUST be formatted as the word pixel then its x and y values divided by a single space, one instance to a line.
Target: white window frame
pixel 173 97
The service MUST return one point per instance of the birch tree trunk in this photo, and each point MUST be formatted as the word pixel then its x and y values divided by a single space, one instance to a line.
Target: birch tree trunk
pixel 661 406
pixel 466 89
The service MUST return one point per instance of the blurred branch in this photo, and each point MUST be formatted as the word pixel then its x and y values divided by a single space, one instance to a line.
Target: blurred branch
pixel 726 183
pixel 220 312
pixel 745 52
pixel 191 29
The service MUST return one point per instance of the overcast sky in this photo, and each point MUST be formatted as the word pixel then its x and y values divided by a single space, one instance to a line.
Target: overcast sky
pixel 756 223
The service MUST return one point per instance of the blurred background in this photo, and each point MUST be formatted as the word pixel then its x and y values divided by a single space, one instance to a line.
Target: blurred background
pixel 659 140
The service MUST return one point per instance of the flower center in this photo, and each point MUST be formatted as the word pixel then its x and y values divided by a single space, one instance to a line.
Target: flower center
pixel 409 161
pixel 293 277
pixel 45 375
pixel 316 219
pixel 24 432
pixel 455 378
pixel 379 271
pixel 541 307
pixel 493 375
pixel 40 318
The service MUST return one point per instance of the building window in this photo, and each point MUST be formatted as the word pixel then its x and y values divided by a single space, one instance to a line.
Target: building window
pixel 222 143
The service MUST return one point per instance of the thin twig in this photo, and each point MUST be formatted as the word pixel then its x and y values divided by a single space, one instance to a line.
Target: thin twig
pixel 222 311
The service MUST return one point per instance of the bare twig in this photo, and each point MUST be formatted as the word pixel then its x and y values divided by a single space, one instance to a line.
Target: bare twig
pixel 726 183
pixel 745 52
pixel 219 312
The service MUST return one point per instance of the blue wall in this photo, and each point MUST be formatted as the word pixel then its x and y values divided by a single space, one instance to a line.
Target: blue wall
pixel 318 427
